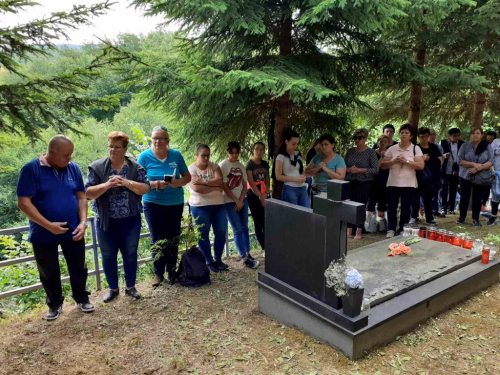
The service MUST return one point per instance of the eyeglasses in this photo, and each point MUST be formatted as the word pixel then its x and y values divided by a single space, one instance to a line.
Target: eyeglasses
pixel 159 139
pixel 205 156
pixel 357 138
pixel 116 148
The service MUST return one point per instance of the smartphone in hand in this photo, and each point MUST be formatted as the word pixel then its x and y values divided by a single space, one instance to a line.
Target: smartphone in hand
pixel 168 178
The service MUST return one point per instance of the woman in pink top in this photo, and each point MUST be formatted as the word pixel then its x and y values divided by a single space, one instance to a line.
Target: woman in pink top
pixel 402 160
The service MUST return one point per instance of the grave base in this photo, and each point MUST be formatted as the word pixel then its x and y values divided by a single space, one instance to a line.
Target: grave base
pixel 388 320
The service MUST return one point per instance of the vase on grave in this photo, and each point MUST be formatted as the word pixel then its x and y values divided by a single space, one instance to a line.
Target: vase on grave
pixel 352 301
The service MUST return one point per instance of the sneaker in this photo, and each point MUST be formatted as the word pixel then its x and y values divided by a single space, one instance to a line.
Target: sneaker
pixel 213 267
pixel 476 223
pixel 452 213
pixel 460 220
pixel 412 221
pixel 53 313
pixel 433 222
pixel 492 220
pixel 251 263
pixel 440 215
pixel 132 292
pixel 390 234
pixel 222 266
pixel 110 295
pixel 86 307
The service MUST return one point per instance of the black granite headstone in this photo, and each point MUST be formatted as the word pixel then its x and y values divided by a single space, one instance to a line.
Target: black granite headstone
pixel 301 243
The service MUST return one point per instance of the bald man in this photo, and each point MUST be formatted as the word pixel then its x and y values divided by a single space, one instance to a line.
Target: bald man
pixel 50 192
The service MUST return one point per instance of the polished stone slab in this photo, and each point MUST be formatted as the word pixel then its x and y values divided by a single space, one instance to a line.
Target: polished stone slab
pixel 387 277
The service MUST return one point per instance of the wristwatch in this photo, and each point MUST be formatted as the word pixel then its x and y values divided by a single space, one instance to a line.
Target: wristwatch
pixel 84 222
pixel 407 162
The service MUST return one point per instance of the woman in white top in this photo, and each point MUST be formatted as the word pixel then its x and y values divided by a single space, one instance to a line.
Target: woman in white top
pixel 234 178
pixel 290 170
pixel 207 206
pixel 402 160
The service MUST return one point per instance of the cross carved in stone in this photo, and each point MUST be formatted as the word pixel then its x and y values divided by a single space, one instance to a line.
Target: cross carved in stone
pixel 339 211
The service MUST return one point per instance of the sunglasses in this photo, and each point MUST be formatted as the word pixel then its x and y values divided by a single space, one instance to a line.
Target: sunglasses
pixel 357 138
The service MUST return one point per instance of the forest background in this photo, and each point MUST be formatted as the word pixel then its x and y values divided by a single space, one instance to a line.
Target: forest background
pixel 244 73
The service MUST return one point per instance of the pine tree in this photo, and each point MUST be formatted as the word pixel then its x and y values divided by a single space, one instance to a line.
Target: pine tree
pixel 30 103
pixel 247 68
pixel 458 69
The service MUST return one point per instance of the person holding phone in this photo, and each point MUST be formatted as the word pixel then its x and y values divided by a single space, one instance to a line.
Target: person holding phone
pixel 51 194
pixel 164 203
pixel 116 184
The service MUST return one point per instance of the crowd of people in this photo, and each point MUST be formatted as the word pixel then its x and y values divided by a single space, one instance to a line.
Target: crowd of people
pixel 388 178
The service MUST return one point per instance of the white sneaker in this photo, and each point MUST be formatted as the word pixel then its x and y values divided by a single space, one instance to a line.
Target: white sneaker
pixel 390 234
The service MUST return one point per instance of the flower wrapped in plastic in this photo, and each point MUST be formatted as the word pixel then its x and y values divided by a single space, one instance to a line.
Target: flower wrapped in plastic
pixel 354 279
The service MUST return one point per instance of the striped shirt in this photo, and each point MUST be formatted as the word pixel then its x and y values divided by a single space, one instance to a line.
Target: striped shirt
pixel 467 153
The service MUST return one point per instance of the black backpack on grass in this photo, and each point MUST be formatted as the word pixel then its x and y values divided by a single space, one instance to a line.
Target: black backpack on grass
pixel 193 271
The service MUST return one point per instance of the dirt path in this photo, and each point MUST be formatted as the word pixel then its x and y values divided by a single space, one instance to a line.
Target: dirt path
pixel 218 330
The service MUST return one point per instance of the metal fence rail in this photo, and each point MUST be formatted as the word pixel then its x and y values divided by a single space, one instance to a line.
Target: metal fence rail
pixel 94 245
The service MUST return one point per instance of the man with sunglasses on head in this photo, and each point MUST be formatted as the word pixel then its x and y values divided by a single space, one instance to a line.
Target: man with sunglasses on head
pixel 50 192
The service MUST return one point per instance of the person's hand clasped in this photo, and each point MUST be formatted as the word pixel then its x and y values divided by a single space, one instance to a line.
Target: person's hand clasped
pixel 426 157
pixel 79 232
pixel 58 227
pixel 113 181
pixel 238 205
pixel 301 179
pixel 355 170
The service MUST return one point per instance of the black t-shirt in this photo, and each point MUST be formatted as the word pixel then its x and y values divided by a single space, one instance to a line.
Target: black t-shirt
pixel 433 163
pixel 259 173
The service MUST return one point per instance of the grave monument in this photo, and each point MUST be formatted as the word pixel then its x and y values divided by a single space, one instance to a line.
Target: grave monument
pixel 403 291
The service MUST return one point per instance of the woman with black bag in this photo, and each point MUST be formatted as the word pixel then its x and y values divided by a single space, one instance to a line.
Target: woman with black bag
pixel 475 174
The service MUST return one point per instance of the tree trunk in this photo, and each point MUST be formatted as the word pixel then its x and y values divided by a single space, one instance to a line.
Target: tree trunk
pixel 282 104
pixel 416 97
pixel 479 104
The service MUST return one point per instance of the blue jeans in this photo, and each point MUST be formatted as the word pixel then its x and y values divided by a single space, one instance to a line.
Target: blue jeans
pixel 239 223
pixel 122 234
pixel 296 195
pixel 164 223
pixel 215 217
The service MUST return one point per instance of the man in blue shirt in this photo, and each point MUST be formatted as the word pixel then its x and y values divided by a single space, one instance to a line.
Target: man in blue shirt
pixel 51 194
